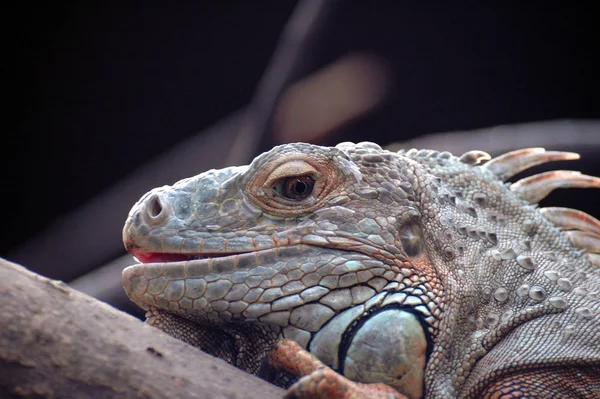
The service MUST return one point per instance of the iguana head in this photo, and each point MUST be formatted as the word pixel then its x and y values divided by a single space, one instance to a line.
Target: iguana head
pixel 371 260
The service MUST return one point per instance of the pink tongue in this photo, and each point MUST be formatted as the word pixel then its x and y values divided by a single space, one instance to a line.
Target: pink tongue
pixel 153 257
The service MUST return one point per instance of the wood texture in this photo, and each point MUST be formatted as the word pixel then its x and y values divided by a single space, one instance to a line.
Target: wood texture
pixel 56 342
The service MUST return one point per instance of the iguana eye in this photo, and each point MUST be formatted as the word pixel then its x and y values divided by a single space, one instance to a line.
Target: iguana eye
pixel 295 188
pixel 294 185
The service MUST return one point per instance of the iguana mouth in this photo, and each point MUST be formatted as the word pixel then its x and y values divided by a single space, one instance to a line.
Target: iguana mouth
pixel 197 271
pixel 230 285
pixel 166 257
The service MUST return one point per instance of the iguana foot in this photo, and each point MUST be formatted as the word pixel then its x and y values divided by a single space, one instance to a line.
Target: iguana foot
pixel 320 381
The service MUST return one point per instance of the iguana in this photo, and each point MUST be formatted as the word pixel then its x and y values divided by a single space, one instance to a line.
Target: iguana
pixel 370 273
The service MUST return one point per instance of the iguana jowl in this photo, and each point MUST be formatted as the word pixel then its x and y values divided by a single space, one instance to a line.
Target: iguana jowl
pixel 419 269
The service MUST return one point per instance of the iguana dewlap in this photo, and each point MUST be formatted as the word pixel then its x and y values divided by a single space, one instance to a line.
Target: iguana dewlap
pixel 419 270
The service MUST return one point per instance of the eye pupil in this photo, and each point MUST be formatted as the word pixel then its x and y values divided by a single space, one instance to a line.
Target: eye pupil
pixel 299 187
pixel 294 187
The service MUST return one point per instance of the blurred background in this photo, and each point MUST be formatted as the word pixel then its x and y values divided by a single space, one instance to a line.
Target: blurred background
pixel 113 99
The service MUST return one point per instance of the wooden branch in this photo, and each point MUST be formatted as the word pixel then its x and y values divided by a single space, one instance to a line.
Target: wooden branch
pixel 56 343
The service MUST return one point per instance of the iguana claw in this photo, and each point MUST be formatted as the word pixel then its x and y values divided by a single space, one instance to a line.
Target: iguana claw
pixel 320 381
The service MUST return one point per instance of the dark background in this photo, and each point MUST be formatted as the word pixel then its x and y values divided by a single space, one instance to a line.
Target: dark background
pixel 101 88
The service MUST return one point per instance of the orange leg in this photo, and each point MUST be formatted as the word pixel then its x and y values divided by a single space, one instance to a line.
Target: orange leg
pixel 320 381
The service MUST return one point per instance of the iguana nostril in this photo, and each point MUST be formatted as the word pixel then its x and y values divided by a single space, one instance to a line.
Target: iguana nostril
pixel 154 207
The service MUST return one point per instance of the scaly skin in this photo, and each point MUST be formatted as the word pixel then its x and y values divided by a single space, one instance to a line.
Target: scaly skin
pixel 416 269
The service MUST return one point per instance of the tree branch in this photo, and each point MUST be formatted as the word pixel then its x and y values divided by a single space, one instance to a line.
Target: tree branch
pixel 56 342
